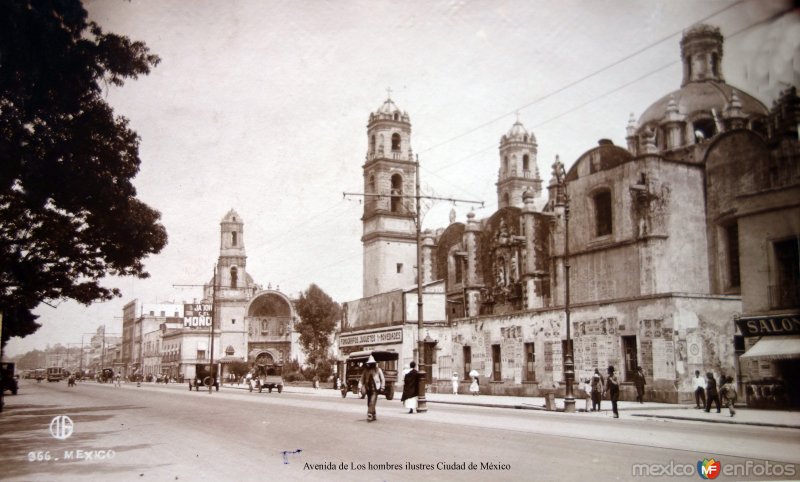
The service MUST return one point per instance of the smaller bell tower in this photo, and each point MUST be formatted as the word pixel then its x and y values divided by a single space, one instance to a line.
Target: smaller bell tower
pixel 231 266
pixel 518 170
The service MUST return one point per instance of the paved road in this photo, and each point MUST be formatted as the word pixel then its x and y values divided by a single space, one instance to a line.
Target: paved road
pixel 168 433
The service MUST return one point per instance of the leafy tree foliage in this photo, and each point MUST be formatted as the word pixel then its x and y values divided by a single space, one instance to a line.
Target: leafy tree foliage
pixel 318 314
pixel 68 210
pixel 238 368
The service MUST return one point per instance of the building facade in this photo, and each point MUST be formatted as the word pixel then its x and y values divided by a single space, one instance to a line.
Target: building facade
pixel 653 246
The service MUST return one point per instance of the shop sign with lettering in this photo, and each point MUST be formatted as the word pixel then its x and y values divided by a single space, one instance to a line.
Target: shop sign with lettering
pixel 373 338
pixel 770 325
pixel 197 315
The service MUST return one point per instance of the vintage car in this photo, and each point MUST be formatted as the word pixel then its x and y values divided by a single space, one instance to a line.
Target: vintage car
pixel 203 378
pixel 354 367
pixel 267 376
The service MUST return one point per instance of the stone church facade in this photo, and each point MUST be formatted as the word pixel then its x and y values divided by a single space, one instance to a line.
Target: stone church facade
pixel 654 278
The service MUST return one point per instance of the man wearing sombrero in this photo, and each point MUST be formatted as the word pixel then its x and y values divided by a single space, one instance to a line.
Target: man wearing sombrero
pixel 372 381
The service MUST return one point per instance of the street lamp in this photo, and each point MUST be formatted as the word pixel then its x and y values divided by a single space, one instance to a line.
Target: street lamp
pixel 422 402
pixel 562 198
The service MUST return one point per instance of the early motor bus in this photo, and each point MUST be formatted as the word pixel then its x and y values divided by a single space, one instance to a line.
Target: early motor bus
pixel 354 366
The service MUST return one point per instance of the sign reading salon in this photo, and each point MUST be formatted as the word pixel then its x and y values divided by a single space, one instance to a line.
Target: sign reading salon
pixel 770 325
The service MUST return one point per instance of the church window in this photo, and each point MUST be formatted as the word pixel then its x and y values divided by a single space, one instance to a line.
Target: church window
pixel 704 129
pixel 397 193
pixel 399 268
pixel 786 292
pixel 459 269
pixel 732 251
pixel 395 142
pixel 505 199
pixel 505 164
pixel 372 144
pixel 526 162
pixel 234 277
pixel 233 238
pixel 602 213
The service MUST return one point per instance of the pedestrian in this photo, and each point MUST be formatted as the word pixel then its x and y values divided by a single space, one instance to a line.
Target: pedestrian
pixel 316 382
pixel 474 387
pixel 612 388
pixel 249 380
pixel 712 395
pixel 598 387
pixel 411 389
pixel 699 384
pixel 729 396
pixel 372 381
pixel 587 392
pixel 639 382
pixel 455 383
pixel 117 380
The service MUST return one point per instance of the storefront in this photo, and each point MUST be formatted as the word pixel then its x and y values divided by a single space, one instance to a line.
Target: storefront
pixel 770 365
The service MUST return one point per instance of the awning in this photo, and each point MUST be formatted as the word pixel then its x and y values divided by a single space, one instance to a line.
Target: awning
pixel 775 348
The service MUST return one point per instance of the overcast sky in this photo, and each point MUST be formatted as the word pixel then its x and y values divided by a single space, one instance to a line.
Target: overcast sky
pixel 262 106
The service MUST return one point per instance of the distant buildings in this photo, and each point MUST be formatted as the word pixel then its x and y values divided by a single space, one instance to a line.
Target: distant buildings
pixel 251 324
pixel 672 238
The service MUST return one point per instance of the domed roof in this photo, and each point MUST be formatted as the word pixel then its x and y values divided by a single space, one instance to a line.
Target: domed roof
pixel 601 158
pixel 696 97
pixel 388 107
pixel 519 133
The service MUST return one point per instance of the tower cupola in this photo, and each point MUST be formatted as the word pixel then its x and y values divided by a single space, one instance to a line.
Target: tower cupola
pixel 701 51
pixel 518 169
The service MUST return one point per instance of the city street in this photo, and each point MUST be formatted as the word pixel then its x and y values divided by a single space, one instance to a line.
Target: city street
pixel 158 432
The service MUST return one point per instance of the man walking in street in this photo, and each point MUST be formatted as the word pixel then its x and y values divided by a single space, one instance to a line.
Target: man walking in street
pixel 372 381
pixel 639 382
pixel 411 388
pixel 612 387
pixel 699 384
pixel 712 395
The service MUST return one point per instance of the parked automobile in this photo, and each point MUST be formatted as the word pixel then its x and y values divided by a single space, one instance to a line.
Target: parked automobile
pixel 203 378
pixel 269 377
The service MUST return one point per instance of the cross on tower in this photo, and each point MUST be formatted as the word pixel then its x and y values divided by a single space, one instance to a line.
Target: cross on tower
pixel 389 92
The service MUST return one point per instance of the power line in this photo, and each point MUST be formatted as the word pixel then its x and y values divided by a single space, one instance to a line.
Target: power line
pixel 601 96
pixel 578 81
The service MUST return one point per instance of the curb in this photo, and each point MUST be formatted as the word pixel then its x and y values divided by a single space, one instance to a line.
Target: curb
pixel 729 422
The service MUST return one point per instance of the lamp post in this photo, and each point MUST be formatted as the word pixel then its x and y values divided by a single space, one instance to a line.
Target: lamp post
pixel 569 363
pixel 422 402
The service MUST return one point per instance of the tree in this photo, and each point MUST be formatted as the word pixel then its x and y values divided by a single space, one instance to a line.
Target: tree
pixel 318 314
pixel 69 215
pixel 238 368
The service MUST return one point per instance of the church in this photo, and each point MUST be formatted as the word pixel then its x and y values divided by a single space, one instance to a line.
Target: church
pixel 250 324
pixel 656 251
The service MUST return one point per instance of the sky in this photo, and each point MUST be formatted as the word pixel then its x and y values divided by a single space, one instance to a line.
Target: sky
pixel 262 107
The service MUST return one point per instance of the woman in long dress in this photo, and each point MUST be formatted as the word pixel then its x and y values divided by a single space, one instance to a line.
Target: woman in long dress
pixel 474 387
pixel 455 383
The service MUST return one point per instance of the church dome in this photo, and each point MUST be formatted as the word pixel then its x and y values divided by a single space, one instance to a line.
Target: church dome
pixel 697 98
pixel 389 111
pixel 703 92
pixel 519 133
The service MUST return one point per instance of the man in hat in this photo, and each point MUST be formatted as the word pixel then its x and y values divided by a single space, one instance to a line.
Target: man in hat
pixel 372 381
pixel 612 387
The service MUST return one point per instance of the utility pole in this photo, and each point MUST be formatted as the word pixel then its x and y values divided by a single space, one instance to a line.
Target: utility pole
pixel 213 318
pixel 422 402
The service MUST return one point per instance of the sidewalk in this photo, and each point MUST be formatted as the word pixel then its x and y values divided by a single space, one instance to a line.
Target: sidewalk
pixel 744 416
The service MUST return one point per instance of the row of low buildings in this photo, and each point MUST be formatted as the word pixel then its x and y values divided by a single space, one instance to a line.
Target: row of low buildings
pixel 682 248
pixel 250 324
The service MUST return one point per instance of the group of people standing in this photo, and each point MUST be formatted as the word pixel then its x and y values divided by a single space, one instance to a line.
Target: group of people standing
pixel 708 391
pixel 597 388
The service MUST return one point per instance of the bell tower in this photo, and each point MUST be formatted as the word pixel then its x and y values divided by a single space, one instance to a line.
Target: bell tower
pixel 231 272
pixel 518 170
pixel 389 236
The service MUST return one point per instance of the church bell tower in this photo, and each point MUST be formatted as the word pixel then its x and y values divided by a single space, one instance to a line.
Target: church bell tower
pixel 518 170
pixel 389 236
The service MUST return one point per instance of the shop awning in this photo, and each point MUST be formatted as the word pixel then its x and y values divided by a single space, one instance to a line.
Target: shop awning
pixel 775 348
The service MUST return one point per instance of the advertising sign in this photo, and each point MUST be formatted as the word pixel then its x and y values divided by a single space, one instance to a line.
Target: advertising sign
pixel 197 315
pixel 373 338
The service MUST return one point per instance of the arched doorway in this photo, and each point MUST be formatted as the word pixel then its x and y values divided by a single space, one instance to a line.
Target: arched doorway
pixel 265 358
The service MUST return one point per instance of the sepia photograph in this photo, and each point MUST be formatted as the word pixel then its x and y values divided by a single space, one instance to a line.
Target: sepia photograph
pixel 398 241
